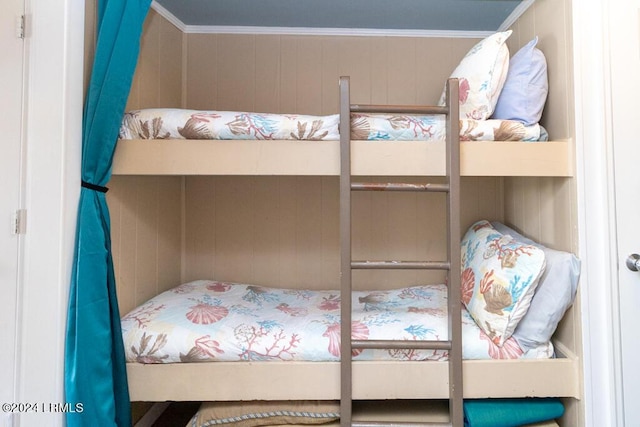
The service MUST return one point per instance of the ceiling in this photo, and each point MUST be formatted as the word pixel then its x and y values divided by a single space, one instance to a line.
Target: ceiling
pixel 396 15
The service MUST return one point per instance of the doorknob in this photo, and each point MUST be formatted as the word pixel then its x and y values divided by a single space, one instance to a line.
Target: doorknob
pixel 633 262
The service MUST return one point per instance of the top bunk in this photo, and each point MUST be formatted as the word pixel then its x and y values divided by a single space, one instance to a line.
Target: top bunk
pixel 196 142
pixel 141 156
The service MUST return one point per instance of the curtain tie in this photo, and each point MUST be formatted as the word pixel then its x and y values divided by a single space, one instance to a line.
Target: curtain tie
pixel 94 187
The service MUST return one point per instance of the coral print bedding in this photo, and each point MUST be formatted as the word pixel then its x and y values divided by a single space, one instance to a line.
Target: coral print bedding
pixel 163 123
pixel 217 321
pixel 499 278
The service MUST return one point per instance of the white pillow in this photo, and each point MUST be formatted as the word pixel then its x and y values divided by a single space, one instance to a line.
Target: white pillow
pixel 482 73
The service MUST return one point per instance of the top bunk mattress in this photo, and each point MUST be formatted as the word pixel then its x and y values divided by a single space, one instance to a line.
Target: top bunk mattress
pixel 165 123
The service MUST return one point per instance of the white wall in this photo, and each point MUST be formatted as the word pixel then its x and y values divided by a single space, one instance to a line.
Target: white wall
pixel 595 212
pixel 11 47
pixel 53 139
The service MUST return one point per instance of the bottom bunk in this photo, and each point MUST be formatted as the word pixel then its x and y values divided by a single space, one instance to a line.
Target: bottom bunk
pixel 248 338
pixel 210 341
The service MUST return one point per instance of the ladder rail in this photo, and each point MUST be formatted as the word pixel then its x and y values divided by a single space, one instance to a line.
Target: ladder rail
pixel 453 254
pixel 452 264
pixel 345 255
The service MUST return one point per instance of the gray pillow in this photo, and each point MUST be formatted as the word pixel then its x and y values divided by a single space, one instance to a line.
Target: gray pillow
pixel 555 293
pixel 526 88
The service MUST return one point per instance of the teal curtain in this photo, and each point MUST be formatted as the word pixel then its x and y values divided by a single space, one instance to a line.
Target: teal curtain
pixel 95 372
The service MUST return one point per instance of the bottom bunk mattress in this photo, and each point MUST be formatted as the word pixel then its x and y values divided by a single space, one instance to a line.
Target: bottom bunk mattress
pixel 206 321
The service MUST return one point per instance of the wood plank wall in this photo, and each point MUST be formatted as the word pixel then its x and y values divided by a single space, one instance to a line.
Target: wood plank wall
pixel 283 74
pixel 283 231
pixel 146 236
pixel 157 81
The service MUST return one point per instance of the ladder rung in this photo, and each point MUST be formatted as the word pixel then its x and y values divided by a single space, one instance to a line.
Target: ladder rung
pixel 391 186
pixel 400 265
pixel 398 424
pixel 401 344
pixel 403 109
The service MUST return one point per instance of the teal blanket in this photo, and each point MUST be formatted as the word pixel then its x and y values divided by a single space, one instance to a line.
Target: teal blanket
pixel 510 412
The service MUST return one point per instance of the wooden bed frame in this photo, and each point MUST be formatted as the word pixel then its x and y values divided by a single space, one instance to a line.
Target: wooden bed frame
pixel 379 158
pixel 372 380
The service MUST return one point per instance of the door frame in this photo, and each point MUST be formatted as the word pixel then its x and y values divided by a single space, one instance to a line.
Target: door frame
pixel 596 215
pixel 53 99
pixel 13 74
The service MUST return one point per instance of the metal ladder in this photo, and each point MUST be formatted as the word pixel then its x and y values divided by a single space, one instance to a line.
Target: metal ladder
pixel 451 265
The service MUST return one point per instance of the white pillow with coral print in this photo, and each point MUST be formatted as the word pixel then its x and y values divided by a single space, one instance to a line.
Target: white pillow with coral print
pixel 499 278
pixel 481 74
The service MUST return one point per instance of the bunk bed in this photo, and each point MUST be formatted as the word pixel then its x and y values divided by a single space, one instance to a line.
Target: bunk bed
pixel 238 381
pixel 253 379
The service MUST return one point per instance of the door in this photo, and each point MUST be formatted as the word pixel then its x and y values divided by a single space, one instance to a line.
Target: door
pixel 11 76
pixel 624 32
